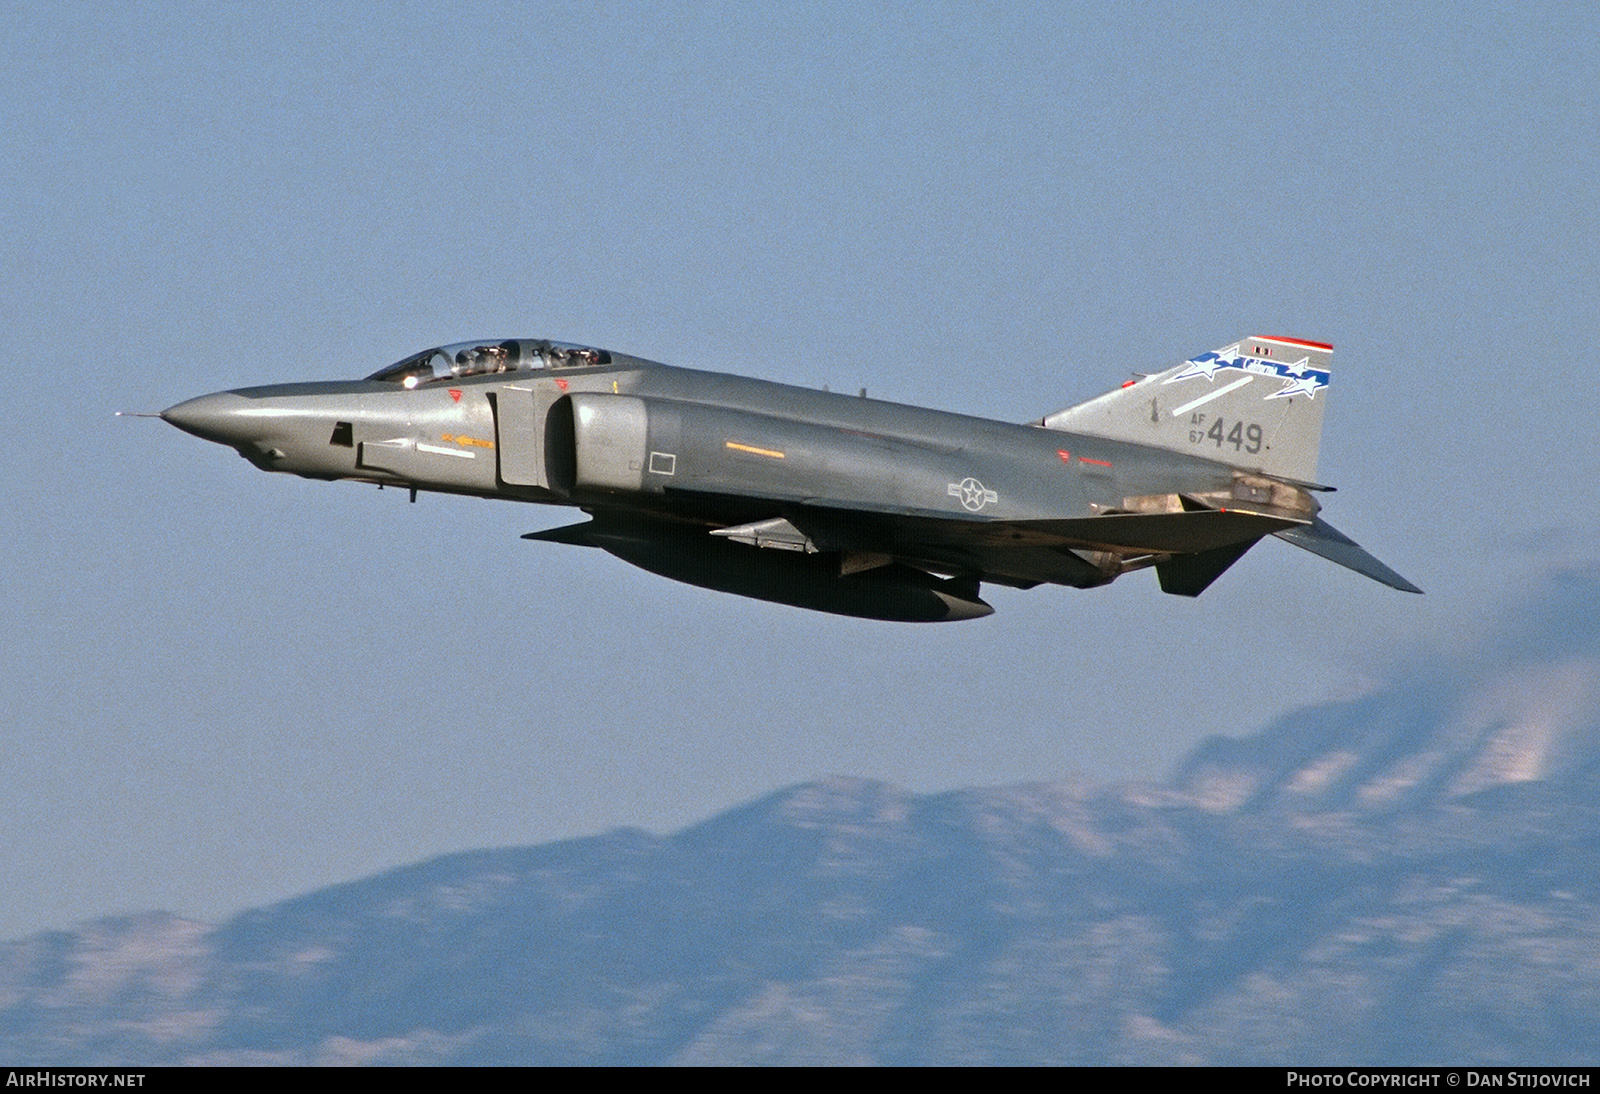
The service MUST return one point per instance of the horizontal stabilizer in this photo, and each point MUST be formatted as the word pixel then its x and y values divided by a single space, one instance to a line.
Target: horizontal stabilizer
pixel 1321 538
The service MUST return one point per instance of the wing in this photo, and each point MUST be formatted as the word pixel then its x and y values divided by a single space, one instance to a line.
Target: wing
pixel 1080 552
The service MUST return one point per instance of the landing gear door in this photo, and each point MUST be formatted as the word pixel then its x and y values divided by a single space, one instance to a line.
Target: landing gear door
pixel 519 425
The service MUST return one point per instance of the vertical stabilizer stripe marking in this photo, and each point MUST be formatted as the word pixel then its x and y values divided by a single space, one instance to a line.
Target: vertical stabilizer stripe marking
pixel 1217 394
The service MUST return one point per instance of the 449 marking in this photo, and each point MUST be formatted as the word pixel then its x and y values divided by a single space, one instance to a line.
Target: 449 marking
pixel 1240 436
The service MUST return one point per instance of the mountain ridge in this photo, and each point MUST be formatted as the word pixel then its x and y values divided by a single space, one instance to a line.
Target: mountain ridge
pixel 1407 877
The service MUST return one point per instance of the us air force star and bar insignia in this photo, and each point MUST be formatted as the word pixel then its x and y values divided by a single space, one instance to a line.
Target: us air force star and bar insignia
pixel 1299 378
pixel 974 496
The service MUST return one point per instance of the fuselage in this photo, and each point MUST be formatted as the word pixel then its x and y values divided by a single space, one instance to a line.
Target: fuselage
pixel 842 504
pixel 491 436
pixel 664 457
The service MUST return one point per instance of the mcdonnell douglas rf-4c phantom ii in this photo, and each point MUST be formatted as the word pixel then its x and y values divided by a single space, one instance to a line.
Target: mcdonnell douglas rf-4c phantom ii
pixel 832 502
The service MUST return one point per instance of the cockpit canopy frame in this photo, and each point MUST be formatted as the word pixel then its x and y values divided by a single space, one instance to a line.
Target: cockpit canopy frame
pixel 460 360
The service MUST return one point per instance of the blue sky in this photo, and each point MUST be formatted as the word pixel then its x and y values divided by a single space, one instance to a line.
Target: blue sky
pixel 226 687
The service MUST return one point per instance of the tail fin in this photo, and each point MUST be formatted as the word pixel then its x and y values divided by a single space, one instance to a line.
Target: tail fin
pixel 1252 405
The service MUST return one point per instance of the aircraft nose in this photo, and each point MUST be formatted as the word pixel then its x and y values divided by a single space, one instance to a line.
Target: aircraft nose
pixel 221 417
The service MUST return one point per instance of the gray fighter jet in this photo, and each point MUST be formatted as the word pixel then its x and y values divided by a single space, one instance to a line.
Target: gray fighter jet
pixel 827 501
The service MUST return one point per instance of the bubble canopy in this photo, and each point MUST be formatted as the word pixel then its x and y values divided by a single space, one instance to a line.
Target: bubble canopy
pixel 483 358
